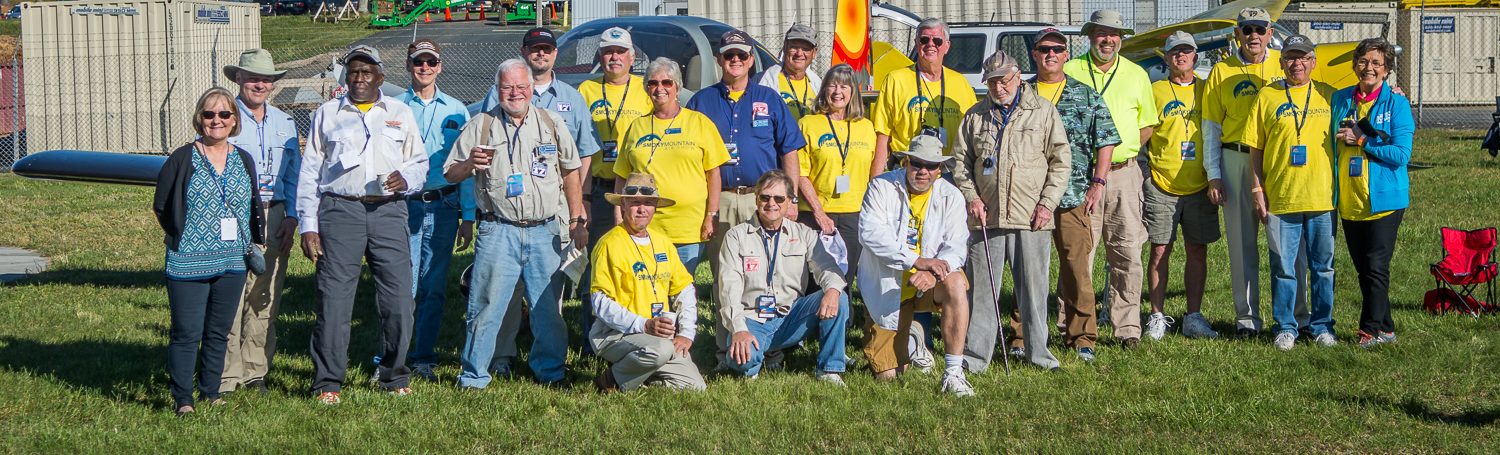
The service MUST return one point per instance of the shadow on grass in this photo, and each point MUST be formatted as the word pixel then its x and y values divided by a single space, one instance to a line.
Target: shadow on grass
pixel 1420 410
pixel 120 279
pixel 118 370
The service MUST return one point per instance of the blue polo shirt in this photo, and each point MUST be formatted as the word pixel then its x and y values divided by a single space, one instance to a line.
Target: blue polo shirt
pixel 439 121
pixel 567 102
pixel 759 124
pixel 272 145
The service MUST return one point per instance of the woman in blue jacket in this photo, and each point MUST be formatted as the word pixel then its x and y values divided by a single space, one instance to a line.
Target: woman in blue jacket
pixel 1374 133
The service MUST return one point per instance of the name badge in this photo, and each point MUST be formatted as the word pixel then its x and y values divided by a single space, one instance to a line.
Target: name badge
pixel 513 185
pixel 911 238
pixel 229 229
pixel 547 149
pixel 989 165
pixel 1299 155
pixel 1189 151
pixel 734 153
pixel 766 306
pixel 672 131
pixel 539 170
pixel 266 183
pixel 564 107
pixel 943 135
pixel 841 184
pixel 752 264
pixel 762 123
pixel 610 153
pixel 656 309
pixel 1356 166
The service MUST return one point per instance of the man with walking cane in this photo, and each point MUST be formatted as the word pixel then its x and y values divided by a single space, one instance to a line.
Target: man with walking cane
pixel 1013 167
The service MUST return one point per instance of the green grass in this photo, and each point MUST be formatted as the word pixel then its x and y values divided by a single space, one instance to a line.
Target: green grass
pixel 82 368
pixel 297 37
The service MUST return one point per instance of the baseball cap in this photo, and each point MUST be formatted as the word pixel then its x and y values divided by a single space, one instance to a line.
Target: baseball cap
pixel 999 64
pixel 801 32
pixel 1298 43
pixel 1253 15
pixel 616 37
pixel 422 46
pixel 1180 38
pixel 361 51
pixel 539 35
pixel 1051 33
pixel 735 40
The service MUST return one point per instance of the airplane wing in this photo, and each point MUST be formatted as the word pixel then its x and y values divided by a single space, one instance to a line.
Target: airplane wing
pixel 1212 30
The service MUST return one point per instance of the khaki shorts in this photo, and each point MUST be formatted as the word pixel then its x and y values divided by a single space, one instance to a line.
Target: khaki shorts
pixel 1197 215
pixel 887 349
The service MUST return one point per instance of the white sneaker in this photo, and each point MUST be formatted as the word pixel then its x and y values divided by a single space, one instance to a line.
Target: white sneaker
pixel 1327 340
pixel 832 378
pixel 1285 340
pixel 1156 327
pixel 1197 326
pixel 957 385
pixel 921 358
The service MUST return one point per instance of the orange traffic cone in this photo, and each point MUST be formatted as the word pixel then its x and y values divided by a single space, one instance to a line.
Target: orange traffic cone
pixel 448 14
pixel 428 17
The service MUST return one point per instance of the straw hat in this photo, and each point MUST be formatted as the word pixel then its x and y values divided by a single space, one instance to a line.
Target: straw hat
pixel 645 184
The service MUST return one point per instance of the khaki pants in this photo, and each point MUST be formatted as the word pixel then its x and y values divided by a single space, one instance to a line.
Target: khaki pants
pixel 886 349
pixel 1119 223
pixel 639 358
pixel 1075 240
pixel 733 209
pixel 252 338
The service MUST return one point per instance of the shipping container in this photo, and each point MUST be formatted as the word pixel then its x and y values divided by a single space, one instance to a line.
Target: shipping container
pixel 123 76
pixel 1341 22
pixel 1457 59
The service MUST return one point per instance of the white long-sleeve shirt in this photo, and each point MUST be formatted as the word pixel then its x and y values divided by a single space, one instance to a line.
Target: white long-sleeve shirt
pixel 347 149
pixel 622 320
pixel 882 231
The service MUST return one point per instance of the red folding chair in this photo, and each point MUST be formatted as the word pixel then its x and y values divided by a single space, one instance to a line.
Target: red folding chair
pixel 1468 262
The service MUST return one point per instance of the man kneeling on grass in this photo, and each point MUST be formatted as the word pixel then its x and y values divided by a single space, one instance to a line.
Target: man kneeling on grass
pixel 912 225
pixel 764 263
pixel 643 297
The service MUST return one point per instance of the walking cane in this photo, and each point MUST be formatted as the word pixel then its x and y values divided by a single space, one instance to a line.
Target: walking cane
pixel 994 292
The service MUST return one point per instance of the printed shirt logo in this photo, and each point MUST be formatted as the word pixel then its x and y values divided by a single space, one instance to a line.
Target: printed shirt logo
pixel 760 108
pixel 827 141
pixel 616 34
pixel 1175 108
pixel 647 140
pixel 1286 110
pixel 598 108
pixel 1245 88
pixel 564 107
pixel 639 268
pixel 917 103
pixel 393 123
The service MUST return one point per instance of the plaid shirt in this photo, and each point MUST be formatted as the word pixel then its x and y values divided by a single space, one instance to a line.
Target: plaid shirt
pixel 1089 127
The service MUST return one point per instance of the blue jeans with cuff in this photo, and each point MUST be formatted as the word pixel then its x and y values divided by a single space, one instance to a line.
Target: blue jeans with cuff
pixel 505 256
pixel 786 331
pixel 1285 234
pixel 434 228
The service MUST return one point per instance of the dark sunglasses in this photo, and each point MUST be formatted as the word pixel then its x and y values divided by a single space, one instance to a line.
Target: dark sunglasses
pixel 667 83
pixel 543 48
pixel 1253 30
pixel 736 55
pixel 928 39
pixel 226 115
pixel 1044 50
pixel 429 62
pixel 639 191
pixel 924 165
pixel 769 198
pixel 1182 51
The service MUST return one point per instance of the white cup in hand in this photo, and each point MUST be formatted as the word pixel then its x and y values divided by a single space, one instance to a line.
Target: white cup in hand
pixel 488 151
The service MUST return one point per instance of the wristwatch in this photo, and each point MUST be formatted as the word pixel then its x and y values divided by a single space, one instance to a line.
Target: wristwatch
pixel 580 220
pixel 713 214
pixel 1098 180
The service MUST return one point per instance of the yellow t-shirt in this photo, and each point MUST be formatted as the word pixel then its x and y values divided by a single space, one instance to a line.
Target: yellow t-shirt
pixel 822 162
pixel 677 152
pixel 1231 88
pixel 918 203
pixel 1177 143
pixel 736 95
pixel 798 95
pixel 613 109
pixel 638 276
pixel 1052 92
pixel 904 106
pixel 1354 189
pixel 364 107
pixel 1273 126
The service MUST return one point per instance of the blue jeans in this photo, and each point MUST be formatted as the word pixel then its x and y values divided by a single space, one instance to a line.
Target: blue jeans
pixel 691 254
pixel 434 227
pixel 1285 234
pixel 505 255
pixel 786 331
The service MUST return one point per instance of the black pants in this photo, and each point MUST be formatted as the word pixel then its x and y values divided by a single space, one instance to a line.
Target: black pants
pixel 352 232
pixel 202 314
pixel 848 226
pixel 1371 244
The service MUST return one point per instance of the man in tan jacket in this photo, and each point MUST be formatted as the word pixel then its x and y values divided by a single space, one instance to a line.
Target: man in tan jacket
pixel 1013 166
pixel 763 265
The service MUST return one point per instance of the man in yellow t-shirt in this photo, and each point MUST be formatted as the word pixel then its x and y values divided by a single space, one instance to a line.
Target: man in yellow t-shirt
pixel 1120 223
pixel 1177 193
pixel 925 98
pixel 644 299
pixel 615 100
pixel 797 86
pixel 1291 152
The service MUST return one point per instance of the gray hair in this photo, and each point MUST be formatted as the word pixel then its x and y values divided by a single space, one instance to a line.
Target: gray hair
pixel 512 65
pixel 665 65
pixel 931 23
pixel 841 74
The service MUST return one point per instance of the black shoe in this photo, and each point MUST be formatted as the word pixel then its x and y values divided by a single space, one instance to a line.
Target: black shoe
pixel 1245 334
pixel 1130 342
pixel 259 386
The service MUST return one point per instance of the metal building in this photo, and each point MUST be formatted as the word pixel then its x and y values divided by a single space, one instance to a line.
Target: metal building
pixel 1454 49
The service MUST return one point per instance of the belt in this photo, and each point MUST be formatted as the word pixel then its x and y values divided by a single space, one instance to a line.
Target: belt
pixel 1238 147
pixel 437 194
pixel 493 218
pixel 1121 165
pixel 607 184
pixel 367 199
pixel 741 190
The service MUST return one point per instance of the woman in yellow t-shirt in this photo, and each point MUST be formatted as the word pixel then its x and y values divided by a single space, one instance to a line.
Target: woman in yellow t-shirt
pixel 683 150
pixel 837 163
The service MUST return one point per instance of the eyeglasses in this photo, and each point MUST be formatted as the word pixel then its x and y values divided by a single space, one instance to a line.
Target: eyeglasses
pixel 639 191
pixel 935 41
pixel 1002 82
pixel 1044 50
pixel 1182 51
pixel 1367 63
pixel 543 48
pixel 923 165
pixel 769 198
pixel 665 83
pixel 736 55
pixel 1253 30
pixel 514 88
pixel 429 62
pixel 226 115
pixel 1302 59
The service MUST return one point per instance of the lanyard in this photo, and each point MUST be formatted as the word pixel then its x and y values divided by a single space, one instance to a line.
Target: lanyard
pixel 265 155
pixel 218 178
pixel 942 93
pixel 1179 101
pixel 1113 71
pixel 792 85
pixel 661 138
pixel 510 145
pixel 1306 105
pixel 604 92
pixel 1260 69
pixel 1056 95
pixel 843 147
pixel 775 239
pixel 655 266
pixel 425 117
pixel 733 116
pixel 1003 120
pixel 914 218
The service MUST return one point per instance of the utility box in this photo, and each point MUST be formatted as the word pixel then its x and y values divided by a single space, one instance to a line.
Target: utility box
pixel 1455 50
pixel 124 76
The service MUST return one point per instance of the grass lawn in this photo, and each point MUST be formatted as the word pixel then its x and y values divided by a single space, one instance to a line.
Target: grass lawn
pixel 83 367
pixel 297 37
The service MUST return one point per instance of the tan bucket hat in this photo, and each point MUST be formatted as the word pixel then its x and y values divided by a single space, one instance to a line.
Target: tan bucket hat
pixel 639 185
pixel 925 148
pixel 254 61
pixel 1108 18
